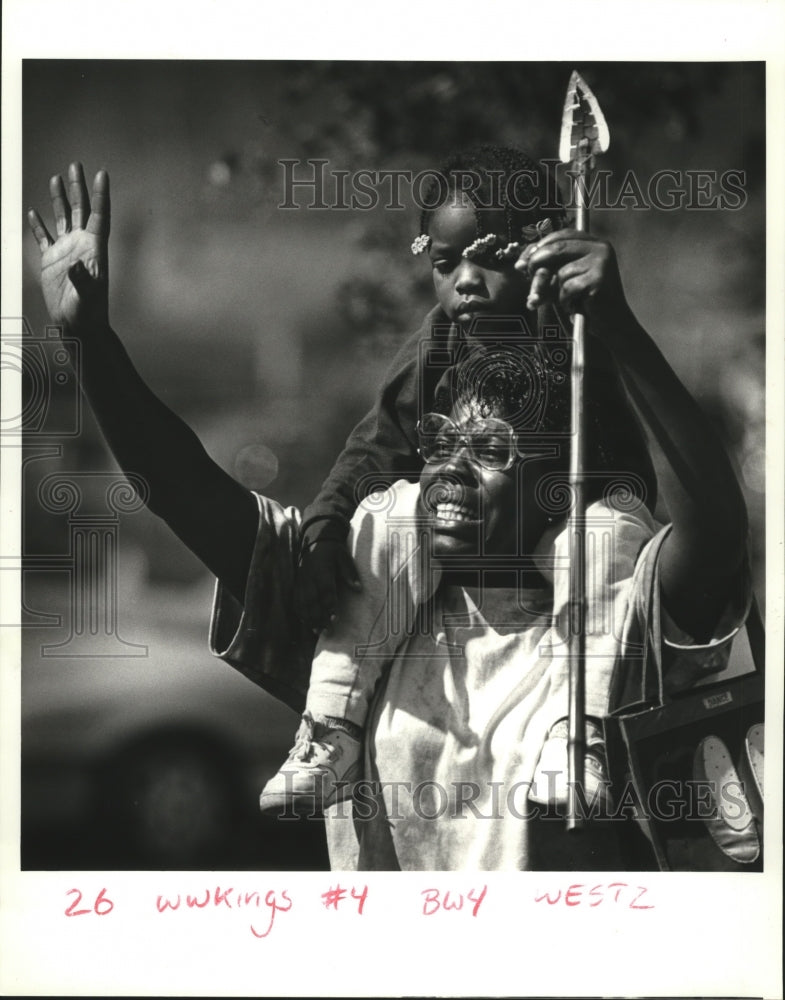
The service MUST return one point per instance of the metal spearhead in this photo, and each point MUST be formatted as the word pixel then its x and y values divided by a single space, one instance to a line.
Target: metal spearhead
pixel 584 132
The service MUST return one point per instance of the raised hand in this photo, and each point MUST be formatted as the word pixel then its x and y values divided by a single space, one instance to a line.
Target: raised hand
pixel 75 265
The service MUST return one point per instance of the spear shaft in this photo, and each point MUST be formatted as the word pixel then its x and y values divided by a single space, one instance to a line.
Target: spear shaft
pixel 584 134
pixel 576 719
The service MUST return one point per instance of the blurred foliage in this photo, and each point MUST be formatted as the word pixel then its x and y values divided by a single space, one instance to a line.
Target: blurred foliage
pixel 383 110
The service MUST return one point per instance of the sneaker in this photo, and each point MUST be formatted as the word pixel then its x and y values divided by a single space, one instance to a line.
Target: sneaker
pixel 751 769
pixel 549 784
pixel 320 770
pixel 732 826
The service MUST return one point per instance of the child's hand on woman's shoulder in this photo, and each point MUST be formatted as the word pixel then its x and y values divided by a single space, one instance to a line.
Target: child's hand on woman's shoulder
pixel 325 566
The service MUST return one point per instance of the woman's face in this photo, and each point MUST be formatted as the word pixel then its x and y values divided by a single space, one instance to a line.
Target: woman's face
pixel 475 510
pixel 468 288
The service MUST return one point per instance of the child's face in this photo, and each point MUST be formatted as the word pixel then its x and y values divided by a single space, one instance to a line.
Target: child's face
pixel 468 288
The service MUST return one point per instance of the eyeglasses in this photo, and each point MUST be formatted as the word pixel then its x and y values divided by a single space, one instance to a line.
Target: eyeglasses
pixel 492 445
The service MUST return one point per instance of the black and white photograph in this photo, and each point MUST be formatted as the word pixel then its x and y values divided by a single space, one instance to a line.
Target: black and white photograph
pixel 392 442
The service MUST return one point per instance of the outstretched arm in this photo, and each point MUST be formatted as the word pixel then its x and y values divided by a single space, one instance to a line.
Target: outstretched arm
pixel 213 514
pixel 704 551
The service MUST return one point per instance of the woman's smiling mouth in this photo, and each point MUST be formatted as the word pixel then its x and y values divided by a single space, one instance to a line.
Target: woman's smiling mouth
pixel 453 513
pixel 456 516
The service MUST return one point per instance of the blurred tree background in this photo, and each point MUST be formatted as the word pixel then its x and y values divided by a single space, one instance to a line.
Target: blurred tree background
pixel 269 329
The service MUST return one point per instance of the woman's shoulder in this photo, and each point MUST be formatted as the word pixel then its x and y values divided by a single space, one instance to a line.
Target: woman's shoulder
pixel 619 528
pixel 398 501
pixel 381 518
pixel 387 536
pixel 624 509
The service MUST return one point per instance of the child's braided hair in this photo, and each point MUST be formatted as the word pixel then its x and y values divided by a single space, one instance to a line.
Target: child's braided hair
pixel 501 178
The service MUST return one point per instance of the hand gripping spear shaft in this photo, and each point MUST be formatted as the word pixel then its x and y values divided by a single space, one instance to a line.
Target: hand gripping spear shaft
pixel 584 134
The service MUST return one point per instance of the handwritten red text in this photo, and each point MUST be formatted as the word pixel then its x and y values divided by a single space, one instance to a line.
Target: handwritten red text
pixel 231 899
pixel 616 893
pixel 101 906
pixel 434 901
pixel 337 894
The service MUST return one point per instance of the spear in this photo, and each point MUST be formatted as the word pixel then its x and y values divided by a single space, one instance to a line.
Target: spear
pixel 584 134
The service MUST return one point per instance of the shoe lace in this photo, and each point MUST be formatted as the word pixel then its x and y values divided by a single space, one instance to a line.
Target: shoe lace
pixel 306 741
pixel 303 742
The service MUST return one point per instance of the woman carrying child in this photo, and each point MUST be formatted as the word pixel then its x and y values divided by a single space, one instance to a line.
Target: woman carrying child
pixel 449 657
